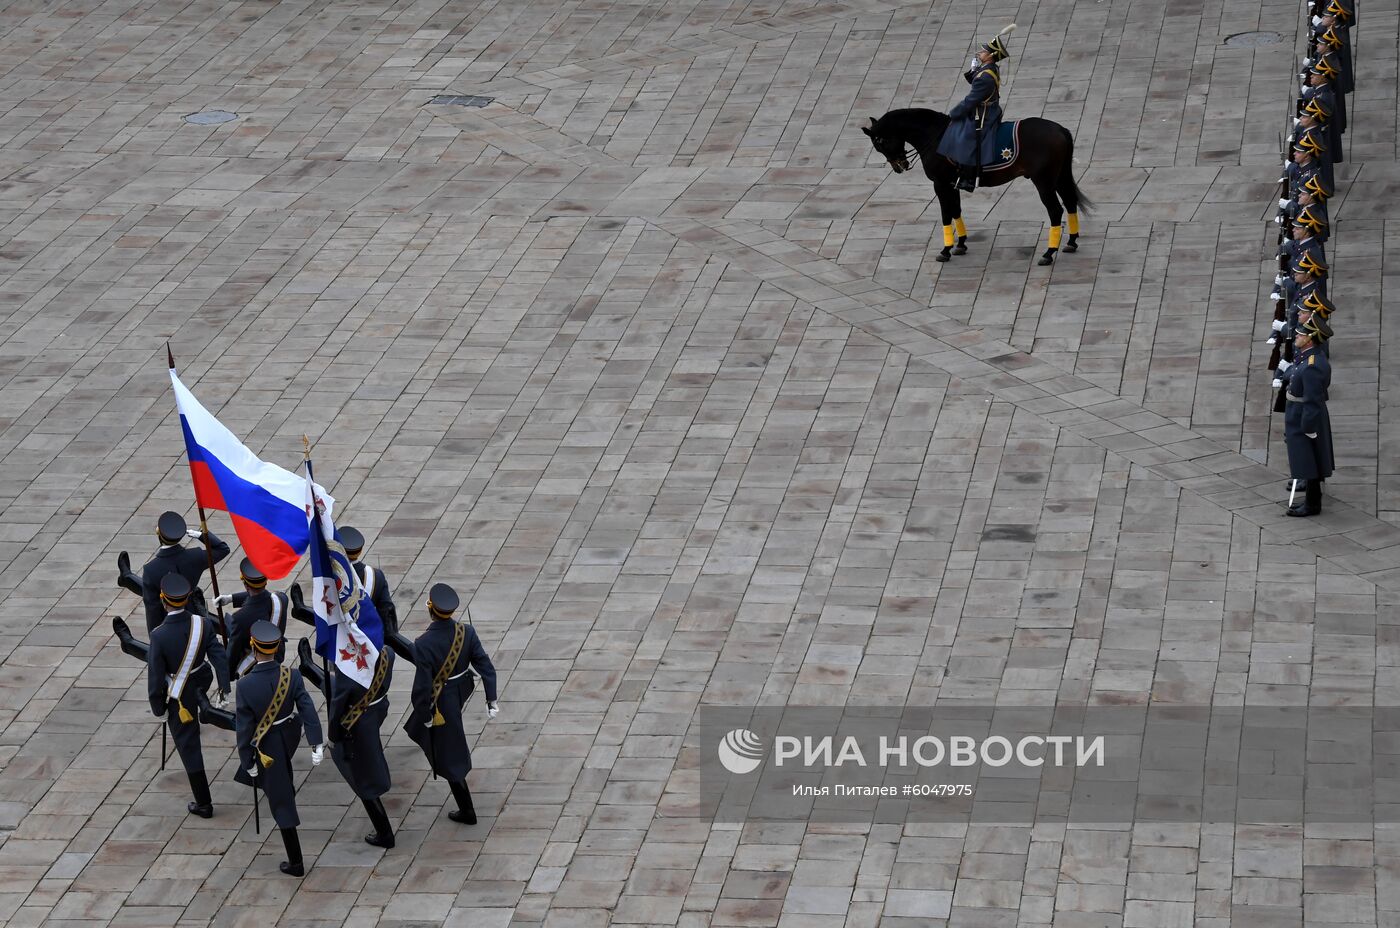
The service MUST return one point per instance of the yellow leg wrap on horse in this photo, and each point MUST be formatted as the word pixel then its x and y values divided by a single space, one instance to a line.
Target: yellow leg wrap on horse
pixel 960 227
pixel 947 236
pixel 1055 236
pixel 1073 223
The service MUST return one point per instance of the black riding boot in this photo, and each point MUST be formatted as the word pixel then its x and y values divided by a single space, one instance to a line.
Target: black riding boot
pixel 1311 503
pixel 383 834
pixel 292 866
pixel 126 577
pixel 967 177
pixel 466 812
pixel 212 716
pixel 203 804
pixel 129 645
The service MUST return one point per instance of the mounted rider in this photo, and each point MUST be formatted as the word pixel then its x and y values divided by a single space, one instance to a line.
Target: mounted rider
pixel 971 137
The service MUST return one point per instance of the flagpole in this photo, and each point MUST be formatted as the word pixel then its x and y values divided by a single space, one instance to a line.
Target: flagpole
pixel 316 514
pixel 203 529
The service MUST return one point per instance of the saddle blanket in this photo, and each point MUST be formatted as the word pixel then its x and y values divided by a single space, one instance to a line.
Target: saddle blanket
pixel 1008 146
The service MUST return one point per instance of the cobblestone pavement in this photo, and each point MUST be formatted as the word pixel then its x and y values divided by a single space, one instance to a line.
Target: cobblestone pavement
pixel 650 357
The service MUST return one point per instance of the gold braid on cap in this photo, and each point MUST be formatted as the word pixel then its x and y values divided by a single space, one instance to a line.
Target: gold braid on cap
pixel 263 647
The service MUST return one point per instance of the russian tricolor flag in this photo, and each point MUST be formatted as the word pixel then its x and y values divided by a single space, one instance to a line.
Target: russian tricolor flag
pixel 266 503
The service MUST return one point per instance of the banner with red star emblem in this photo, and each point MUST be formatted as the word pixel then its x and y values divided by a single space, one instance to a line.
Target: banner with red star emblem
pixel 349 632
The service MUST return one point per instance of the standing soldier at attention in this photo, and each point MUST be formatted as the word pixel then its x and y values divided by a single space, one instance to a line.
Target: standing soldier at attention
pixel 971 137
pixel 354 718
pixel 444 657
pixel 255 604
pixel 273 708
pixel 172 557
pixel 182 648
pixel 1307 430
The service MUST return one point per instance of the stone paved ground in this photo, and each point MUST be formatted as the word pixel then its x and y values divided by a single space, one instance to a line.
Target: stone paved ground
pixel 651 357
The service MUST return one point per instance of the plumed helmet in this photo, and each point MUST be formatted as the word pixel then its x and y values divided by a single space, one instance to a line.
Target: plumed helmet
pixel 997 47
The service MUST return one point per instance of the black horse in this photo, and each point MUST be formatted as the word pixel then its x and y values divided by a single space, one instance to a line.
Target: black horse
pixel 1046 156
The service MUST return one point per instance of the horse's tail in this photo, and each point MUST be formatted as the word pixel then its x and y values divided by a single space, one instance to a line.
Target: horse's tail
pixel 1067 184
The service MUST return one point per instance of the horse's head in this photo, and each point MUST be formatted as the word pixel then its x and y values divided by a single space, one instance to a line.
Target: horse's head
pixel 893 148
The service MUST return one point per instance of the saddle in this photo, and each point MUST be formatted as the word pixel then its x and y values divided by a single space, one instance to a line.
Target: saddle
pixel 1008 146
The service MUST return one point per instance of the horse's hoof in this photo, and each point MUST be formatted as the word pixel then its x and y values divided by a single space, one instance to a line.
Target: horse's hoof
pixel 942 255
pixel 1072 245
pixel 959 249
pixel 1047 258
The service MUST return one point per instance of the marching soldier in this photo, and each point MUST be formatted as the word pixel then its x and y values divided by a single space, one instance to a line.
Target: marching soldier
pixel 272 710
pixel 970 139
pixel 172 557
pixel 355 716
pixel 183 647
pixel 375 584
pixel 1307 431
pixel 444 656
pixel 255 604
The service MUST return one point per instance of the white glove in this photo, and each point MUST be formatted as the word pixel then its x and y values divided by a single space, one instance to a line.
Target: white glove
pixel 1276 296
pixel 1278 220
pixel 1316 20
pixel 223 599
pixel 253 771
pixel 1311 434
pixel 492 710
pixel 1279 278
pixel 191 533
pixel 1282 203
pixel 1283 366
pixel 972 63
pixel 317 752
pixel 1278 324
pixel 1277 383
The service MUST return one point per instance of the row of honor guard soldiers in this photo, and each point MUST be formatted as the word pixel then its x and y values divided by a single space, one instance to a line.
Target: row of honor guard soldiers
pixel 1302 311
pixel 189 651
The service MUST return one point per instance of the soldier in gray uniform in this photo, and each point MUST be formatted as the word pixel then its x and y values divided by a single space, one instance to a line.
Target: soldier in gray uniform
pixel 273 709
pixel 255 604
pixel 1307 430
pixel 444 657
pixel 354 718
pixel 181 648
pixel 172 557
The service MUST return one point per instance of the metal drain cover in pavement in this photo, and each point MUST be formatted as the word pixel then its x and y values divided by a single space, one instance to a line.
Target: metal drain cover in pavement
pixel 211 117
pixel 456 99
pixel 1254 39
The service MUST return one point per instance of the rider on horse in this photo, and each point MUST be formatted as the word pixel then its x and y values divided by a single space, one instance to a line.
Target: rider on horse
pixel 975 120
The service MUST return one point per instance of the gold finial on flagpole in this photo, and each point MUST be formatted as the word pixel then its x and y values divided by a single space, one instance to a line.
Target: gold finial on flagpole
pixel 305 448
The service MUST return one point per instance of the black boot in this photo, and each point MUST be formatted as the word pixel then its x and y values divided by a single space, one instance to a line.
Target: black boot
pixel 299 610
pixel 126 577
pixel 307 665
pixel 292 866
pixel 1311 504
pixel 465 812
pixel 383 834
pixel 209 715
pixel 967 177
pixel 129 645
pixel 203 804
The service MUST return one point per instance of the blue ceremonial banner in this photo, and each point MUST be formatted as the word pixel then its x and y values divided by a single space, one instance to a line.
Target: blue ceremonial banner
pixel 348 628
